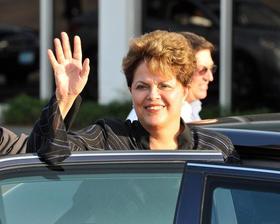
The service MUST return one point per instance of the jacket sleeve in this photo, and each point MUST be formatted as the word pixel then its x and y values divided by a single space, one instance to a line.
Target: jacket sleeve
pixel 10 143
pixel 49 135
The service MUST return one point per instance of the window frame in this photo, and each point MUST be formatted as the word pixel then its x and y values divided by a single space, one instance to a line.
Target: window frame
pixel 245 178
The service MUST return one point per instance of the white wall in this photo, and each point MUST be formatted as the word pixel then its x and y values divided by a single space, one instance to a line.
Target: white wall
pixel 119 21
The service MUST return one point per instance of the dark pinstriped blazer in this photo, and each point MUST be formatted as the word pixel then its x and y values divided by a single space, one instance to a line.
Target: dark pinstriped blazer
pixel 52 137
pixel 10 143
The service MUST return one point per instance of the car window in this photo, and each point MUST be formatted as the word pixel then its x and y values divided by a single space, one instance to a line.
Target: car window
pixel 240 201
pixel 129 193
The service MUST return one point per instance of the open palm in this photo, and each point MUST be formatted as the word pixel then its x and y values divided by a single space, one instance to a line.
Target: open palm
pixel 70 73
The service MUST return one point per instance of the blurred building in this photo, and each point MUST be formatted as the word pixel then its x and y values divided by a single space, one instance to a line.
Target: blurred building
pixel 256 42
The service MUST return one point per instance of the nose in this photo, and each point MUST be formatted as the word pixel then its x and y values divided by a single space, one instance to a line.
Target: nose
pixel 154 93
pixel 210 76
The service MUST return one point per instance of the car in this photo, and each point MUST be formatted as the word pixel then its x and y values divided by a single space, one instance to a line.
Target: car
pixel 19 53
pixel 256 131
pixel 183 186
pixel 256 44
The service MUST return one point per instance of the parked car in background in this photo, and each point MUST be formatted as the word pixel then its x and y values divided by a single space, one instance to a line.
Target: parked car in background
pixel 120 187
pixel 19 53
pixel 256 46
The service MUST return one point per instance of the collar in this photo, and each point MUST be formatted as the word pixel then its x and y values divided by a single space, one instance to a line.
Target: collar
pixel 142 136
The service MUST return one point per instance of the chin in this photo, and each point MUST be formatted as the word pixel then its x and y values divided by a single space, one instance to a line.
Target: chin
pixel 154 122
pixel 203 96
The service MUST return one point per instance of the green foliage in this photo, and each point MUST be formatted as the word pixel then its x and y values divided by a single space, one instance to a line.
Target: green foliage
pixel 25 110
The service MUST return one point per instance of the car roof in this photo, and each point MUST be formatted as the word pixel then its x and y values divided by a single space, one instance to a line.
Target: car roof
pixel 261 122
pixel 134 156
pixel 255 137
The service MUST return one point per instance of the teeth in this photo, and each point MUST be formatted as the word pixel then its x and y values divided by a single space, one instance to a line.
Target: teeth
pixel 154 107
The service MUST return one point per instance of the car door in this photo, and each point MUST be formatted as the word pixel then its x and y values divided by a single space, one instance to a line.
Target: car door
pixel 229 194
pixel 100 187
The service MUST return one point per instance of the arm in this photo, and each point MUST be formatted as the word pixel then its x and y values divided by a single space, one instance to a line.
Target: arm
pixel 69 72
pixel 53 141
pixel 49 135
pixel 10 143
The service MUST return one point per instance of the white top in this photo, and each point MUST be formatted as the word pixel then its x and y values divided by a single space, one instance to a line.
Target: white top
pixel 189 112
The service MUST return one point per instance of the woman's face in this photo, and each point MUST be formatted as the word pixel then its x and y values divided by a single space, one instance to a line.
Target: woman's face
pixel 157 100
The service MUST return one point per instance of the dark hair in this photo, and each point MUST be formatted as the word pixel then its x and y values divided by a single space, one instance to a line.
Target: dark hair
pixel 198 42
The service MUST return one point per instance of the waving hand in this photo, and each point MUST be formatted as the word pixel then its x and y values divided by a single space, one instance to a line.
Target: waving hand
pixel 70 73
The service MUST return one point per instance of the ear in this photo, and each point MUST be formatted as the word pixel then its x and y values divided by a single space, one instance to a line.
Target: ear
pixel 129 89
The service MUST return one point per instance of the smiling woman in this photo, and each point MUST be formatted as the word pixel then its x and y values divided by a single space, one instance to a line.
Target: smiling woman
pixel 158 67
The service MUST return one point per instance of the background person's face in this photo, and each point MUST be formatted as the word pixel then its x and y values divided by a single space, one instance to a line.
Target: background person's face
pixel 202 76
pixel 157 100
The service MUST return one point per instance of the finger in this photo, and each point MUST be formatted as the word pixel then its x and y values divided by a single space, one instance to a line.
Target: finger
pixel 77 54
pixel 52 58
pixel 58 51
pixel 66 45
pixel 86 68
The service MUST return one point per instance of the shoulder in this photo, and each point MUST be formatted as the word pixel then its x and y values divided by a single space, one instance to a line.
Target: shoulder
pixel 212 140
pixel 196 108
pixel 211 136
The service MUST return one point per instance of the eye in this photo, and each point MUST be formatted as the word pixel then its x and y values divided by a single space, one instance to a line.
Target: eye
pixel 141 86
pixel 164 86
pixel 202 70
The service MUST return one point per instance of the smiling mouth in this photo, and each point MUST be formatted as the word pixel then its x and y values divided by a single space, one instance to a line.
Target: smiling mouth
pixel 154 107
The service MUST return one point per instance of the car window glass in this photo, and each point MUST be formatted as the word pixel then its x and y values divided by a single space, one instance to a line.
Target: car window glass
pixel 250 202
pixel 126 195
pixel 257 15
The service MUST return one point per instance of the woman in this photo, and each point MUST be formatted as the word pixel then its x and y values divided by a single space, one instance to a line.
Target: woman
pixel 158 68
pixel 201 78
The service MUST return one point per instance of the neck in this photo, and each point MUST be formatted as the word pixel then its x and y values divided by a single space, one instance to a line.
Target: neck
pixel 165 138
pixel 190 99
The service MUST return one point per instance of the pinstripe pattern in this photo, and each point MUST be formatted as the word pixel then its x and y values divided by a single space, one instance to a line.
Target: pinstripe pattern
pixel 10 143
pixel 54 142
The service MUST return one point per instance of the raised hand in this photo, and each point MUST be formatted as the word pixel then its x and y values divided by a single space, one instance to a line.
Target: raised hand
pixel 70 73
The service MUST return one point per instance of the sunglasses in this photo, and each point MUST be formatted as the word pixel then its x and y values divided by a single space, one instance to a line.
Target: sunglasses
pixel 203 70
